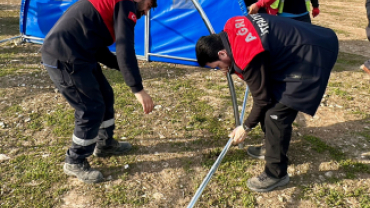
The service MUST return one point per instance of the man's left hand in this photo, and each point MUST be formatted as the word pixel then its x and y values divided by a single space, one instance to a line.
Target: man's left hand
pixel 239 135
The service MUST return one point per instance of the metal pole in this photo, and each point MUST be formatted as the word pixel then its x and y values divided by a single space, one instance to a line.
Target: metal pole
pixel 236 115
pixel 204 16
pixel 9 39
pixel 210 173
pixel 244 104
pixel 233 98
pixel 147 36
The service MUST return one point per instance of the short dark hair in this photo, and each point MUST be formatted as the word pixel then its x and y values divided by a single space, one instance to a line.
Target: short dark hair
pixel 207 49
pixel 154 4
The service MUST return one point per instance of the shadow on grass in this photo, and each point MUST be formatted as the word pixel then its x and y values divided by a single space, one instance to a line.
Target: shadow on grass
pixel 308 149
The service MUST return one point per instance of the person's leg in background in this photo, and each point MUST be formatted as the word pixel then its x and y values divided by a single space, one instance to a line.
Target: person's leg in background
pixel 366 65
pixel 278 123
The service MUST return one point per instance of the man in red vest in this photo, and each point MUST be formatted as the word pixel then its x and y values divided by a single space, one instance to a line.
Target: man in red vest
pixel 71 53
pixel 286 65
pixel 294 9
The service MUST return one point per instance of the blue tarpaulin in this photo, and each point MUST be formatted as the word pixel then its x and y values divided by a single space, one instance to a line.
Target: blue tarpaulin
pixel 174 26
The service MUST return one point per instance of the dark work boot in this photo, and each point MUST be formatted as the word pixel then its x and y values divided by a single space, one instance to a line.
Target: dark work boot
pixel 366 67
pixel 83 171
pixel 264 183
pixel 115 148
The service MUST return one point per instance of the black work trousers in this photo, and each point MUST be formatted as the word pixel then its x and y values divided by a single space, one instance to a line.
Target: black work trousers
pixel 86 89
pixel 277 125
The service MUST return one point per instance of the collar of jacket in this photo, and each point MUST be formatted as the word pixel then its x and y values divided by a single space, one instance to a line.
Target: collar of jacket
pixel 226 43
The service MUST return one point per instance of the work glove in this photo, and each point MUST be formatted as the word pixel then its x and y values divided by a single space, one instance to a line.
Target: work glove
pixel 368 32
pixel 239 135
pixel 315 11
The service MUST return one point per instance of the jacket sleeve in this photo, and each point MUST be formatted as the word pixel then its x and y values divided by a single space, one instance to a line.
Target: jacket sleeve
pixel 264 3
pixel 107 58
pixel 255 74
pixel 315 3
pixel 125 50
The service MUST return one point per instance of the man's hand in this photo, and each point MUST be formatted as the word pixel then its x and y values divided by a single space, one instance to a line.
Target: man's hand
pixel 239 135
pixel 253 9
pixel 315 11
pixel 145 100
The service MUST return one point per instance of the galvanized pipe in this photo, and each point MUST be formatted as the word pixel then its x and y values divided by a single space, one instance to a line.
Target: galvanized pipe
pixel 210 173
pixel 9 39
pixel 236 115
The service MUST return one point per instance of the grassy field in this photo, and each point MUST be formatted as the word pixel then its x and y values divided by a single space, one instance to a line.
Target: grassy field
pixel 175 145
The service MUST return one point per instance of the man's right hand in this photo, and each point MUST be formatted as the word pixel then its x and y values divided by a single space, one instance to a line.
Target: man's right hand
pixel 253 9
pixel 145 100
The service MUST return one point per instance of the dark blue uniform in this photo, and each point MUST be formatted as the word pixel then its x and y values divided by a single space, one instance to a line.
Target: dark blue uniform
pixel 71 52
pixel 286 64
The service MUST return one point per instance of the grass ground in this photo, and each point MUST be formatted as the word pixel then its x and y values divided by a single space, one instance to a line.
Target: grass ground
pixel 176 145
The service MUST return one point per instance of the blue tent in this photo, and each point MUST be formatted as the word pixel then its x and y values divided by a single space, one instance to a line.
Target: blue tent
pixel 167 34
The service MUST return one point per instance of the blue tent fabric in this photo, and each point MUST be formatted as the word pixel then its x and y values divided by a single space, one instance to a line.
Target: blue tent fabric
pixel 175 25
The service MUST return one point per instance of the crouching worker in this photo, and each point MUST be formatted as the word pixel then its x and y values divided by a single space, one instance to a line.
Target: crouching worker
pixel 71 52
pixel 286 65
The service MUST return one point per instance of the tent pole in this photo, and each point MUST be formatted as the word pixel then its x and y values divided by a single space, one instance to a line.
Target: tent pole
pixel 236 115
pixel 147 37
pixel 9 39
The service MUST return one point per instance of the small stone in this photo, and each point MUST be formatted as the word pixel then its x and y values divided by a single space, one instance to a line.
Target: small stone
pixel 158 107
pixel 329 174
pixel 156 153
pixel 3 157
pixel 322 178
pixel 367 127
pixel 56 90
pixel 239 84
pixel 2 125
pixel 165 164
pixel 109 178
pixel 339 106
pixel 23 85
pixel 126 166
pixel 123 138
pixel 27 120
pixel 281 198
pixel 157 195
pixel 45 155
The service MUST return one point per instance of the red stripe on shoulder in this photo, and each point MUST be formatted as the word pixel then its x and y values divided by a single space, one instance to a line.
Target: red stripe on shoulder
pixel 244 39
pixel 106 11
